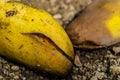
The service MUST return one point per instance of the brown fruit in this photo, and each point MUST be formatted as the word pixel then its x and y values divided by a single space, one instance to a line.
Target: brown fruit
pixel 97 26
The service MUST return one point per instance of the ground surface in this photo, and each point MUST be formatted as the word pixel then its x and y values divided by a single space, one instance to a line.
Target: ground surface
pixel 101 64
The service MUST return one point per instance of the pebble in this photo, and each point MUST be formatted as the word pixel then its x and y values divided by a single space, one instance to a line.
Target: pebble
pixel 88 65
pixel 57 16
pixel 11 74
pixel 71 7
pixel 16 77
pixel 98 76
pixel 115 69
pixel 75 70
pixel 110 55
pixel 74 78
pixel 116 50
pixel 94 78
pixel 52 1
pixel 15 68
pixel 1 77
pixel 7 66
pixel 24 78
pixel 118 77
pixel 118 60
pixel 68 1
pixel 77 61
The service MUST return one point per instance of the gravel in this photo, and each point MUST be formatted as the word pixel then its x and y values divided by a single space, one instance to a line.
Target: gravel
pixel 101 64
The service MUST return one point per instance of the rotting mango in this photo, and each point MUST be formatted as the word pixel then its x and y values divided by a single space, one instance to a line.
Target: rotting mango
pixel 97 26
pixel 32 37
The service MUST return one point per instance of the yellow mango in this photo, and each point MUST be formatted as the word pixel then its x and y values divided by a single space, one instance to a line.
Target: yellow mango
pixel 34 38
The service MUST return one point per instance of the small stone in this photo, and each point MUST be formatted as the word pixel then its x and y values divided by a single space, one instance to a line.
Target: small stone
pixel 83 77
pixel 79 76
pixel 74 78
pixel 118 77
pixel 57 16
pixel 11 74
pixel 71 7
pixel 94 78
pixel 98 75
pixel 53 1
pixel 24 78
pixel 15 68
pixel 7 66
pixel 77 61
pixel 118 60
pixel 16 77
pixel 88 65
pixel 115 69
pixel 116 50
pixel 68 1
pixel 1 77
pixel 75 70
pixel 110 55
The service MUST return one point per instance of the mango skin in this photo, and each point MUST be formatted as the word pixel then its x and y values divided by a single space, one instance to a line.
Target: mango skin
pixel 97 26
pixel 33 38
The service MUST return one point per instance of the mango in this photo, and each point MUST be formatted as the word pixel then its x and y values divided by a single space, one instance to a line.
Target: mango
pixel 97 26
pixel 32 37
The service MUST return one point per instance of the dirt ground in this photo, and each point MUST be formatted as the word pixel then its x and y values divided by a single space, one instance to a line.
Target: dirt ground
pixel 100 64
